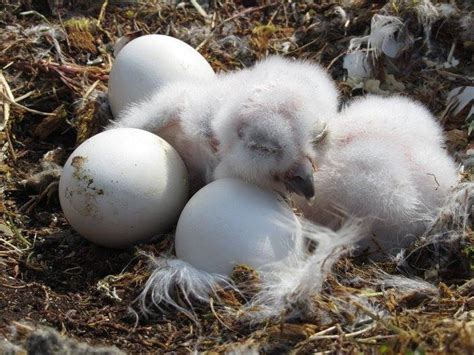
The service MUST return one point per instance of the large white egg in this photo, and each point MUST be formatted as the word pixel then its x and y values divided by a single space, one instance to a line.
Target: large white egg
pixel 147 63
pixel 123 186
pixel 230 222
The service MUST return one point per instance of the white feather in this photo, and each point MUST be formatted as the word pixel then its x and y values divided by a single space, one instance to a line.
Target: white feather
pixel 172 279
pixel 288 286
pixel 382 35
pixel 427 14
pixel 381 38
pixel 404 284
pixel 453 218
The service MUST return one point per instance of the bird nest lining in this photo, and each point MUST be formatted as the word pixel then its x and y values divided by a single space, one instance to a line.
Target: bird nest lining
pixel 55 62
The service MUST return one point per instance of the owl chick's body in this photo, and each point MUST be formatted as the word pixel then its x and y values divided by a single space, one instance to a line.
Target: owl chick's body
pixel 384 163
pixel 382 158
pixel 258 124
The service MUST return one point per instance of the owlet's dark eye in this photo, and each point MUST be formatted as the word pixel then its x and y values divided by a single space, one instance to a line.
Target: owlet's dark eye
pixel 319 136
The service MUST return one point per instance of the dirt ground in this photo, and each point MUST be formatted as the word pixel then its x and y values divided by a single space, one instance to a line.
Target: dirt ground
pixel 55 62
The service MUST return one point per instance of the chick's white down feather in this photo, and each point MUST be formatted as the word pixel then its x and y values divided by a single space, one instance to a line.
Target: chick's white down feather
pixel 255 124
pixel 384 163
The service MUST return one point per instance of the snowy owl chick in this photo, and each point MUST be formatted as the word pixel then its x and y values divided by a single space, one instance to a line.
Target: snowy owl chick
pixel 262 124
pixel 384 163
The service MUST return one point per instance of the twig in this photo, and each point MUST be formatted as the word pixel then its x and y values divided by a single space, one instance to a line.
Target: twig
pixel 325 331
pixel 6 86
pixel 386 324
pixel 347 335
pixel 45 66
pixel 454 75
pixel 101 17
pixel 211 304
pixel 36 13
pixel 322 334
pixel 15 248
pixel 26 108
pixel 233 17
pixel 8 99
pixel 18 235
pixel 68 43
pixel 199 9
pixel 10 144
pixel 304 46
pixel 275 13
pixel 29 206
pixel 46 296
pixel 373 340
pixel 451 52
pixel 14 287
pixel 335 60
pixel 90 89
pixel 6 104
pixel 22 97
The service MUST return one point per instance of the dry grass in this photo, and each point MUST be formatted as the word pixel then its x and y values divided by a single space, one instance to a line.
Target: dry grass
pixel 52 86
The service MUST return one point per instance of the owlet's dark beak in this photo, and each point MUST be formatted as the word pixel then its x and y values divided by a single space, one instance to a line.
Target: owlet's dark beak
pixel 300 179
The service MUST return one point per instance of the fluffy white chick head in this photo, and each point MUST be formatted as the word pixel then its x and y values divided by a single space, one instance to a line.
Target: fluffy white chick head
pixel 270 133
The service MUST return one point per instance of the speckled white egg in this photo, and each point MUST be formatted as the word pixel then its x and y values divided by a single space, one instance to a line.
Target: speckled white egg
pixel 123 186
pixel 231 222
pixel 147 63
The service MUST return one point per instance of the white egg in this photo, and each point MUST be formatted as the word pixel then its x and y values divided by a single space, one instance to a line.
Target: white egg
pixel 147 63
pixel 230 222
pixel 123 186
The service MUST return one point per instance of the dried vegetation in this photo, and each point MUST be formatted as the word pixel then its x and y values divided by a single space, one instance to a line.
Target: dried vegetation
pixel 54 68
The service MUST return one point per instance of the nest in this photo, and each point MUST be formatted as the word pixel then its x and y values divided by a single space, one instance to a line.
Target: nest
pixel 55 61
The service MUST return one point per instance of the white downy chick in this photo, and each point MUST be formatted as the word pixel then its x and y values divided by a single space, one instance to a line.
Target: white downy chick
pixel 261 124
pixel 384 163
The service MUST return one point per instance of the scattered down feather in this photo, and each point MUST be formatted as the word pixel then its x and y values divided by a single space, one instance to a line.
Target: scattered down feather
pixel 287 285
